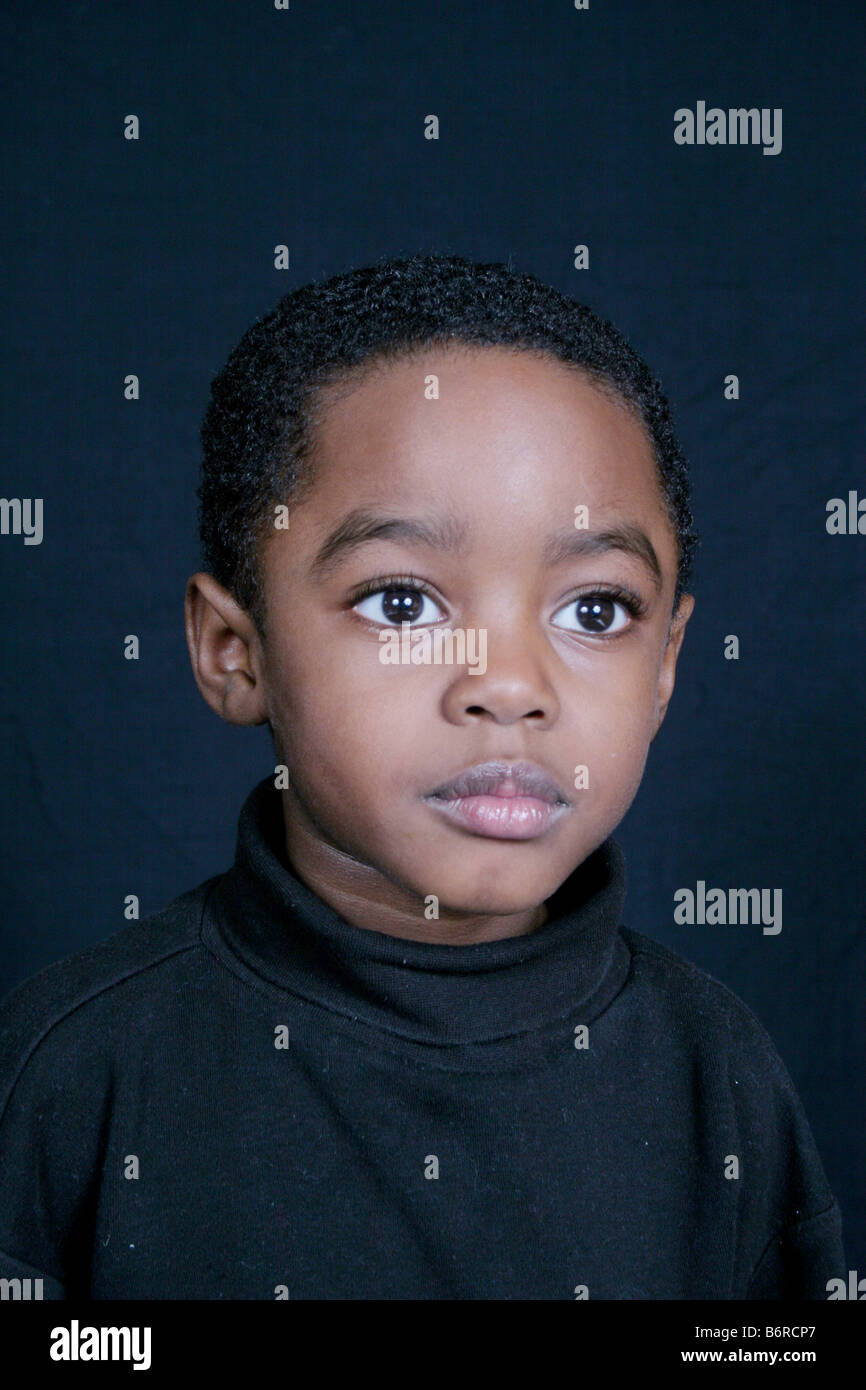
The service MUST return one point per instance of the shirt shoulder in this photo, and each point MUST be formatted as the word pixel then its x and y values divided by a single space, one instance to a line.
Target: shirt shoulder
pixel 714 1044
pixel 790 1235
pixel 719 1050
pixel 680 992
pixel 65 996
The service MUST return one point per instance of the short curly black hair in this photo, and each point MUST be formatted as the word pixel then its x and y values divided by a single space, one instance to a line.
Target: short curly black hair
pixel 258 429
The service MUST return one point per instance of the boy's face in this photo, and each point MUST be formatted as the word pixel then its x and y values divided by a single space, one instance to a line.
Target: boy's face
pixel 501 461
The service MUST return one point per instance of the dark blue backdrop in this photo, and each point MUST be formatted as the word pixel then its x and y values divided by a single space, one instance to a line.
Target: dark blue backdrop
pixel 306 127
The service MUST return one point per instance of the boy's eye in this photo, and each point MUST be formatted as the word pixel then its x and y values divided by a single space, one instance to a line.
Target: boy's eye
pixel 594 613
pixel 398 603
pixel 407 601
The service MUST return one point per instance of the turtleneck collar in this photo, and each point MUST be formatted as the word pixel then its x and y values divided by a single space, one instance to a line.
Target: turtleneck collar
pixel 422 992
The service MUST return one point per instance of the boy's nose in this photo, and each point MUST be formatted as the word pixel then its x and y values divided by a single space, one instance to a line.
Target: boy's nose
pixel 515 685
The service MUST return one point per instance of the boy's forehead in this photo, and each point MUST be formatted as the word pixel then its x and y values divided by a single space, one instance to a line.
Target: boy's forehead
pixel 490 472
pixel 480 436
pixel 462 418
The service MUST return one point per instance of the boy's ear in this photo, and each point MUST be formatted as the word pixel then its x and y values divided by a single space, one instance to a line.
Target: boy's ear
pixel 668 668
pixel 225 651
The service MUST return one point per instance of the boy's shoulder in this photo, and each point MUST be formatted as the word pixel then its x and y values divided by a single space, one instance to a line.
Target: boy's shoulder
pixel 677 982
pixel 691 1005
pixel 134 960
pixel 688 1027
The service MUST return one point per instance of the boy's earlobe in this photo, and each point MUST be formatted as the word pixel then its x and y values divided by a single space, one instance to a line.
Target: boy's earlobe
pixel 225 652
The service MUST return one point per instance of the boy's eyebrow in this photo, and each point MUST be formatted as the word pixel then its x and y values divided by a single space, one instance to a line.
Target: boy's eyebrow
pixel 441 533
pixel 449 534
pixel 626 536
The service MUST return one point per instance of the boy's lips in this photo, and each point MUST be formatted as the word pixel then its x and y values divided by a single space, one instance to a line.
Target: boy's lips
pixel 501 779
pixel 508 801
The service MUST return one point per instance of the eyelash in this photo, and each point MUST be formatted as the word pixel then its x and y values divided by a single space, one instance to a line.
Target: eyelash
pixel 631 601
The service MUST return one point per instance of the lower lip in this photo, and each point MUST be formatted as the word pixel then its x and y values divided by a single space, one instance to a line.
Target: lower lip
pixel 501 817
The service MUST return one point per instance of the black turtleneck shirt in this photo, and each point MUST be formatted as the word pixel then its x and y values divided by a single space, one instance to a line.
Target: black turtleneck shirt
pixel 244 1096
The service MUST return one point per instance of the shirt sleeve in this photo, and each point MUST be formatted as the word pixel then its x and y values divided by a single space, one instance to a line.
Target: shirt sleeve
pixel 27 1283
pixel 800 1260
pixel 52 1124
pixel 791 1224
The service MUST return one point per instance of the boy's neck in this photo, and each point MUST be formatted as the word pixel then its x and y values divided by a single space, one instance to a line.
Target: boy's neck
pixel 365 897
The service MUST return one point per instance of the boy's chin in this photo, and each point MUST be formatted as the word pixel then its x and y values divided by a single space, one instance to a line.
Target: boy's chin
pixel 500 900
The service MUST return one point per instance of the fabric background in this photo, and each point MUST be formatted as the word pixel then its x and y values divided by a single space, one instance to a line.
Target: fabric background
pixel 306 127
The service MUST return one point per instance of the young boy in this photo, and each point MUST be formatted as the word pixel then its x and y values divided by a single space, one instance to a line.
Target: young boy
pixel 404 1047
